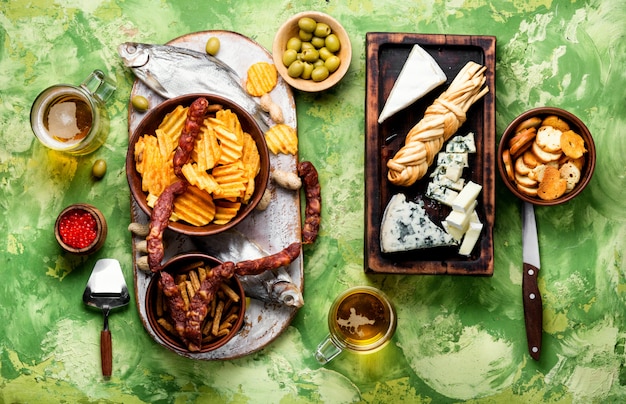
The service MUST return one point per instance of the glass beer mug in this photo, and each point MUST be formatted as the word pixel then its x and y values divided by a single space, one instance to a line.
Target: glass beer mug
pixel 361 319
pixel 73 119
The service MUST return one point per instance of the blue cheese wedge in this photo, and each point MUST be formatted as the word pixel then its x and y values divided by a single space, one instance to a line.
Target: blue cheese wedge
pixel 445 159
pixel 440 177
pixel 420 74
pixel 440 193
pixel 406 226
pixel 462 144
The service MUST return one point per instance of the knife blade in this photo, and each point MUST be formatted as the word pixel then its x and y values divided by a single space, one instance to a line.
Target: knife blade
pixel 533 310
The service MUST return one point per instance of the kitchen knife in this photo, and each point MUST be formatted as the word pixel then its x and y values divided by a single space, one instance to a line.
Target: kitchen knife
pixel 533 310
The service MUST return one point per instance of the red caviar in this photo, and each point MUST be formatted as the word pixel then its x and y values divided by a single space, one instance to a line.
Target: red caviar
pixel 78 228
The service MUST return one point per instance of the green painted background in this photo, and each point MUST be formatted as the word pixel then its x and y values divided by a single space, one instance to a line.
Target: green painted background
pixel 459 339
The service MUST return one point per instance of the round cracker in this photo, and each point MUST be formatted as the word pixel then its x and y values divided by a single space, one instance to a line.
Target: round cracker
pixel 549 139
pixel 552 185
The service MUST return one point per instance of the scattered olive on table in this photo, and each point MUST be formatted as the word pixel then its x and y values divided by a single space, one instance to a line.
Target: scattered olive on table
pixel 312 54
pixel 99 168
pixel 140 103
pixel 212 46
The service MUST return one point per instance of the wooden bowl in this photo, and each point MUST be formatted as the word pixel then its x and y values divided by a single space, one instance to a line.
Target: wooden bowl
pixel 290 29
pixel 576 125
pixel 183 264
pixel 151 121
pixel 74 218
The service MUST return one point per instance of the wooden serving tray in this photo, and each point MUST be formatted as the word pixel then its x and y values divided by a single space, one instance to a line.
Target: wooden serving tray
pixel 386 54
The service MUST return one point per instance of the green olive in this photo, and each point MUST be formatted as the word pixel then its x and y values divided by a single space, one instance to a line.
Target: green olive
pixel 332 43
pixel 295 69
pixel 306 73
pixel 310 55
pixel 325 53
pixel 307 24
pixel 317 42
pixel 99 168
pixel 332 63
pixel 318 63
pixel 213 46
pixel 289 57
pixel 306 45
pixel 320 73
pixel 140 103
pixel 294 43
pixel 322 30
pixel 305 36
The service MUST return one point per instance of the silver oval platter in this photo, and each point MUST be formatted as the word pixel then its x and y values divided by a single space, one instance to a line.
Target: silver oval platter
pixel 269 231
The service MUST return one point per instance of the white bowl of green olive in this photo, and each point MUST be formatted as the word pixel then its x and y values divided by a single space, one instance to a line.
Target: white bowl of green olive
pixel 312 51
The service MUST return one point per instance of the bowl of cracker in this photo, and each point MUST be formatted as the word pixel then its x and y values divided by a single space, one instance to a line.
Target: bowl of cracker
pixel 213 163
pixel 224 311
pixel 546 156
pixel 312 51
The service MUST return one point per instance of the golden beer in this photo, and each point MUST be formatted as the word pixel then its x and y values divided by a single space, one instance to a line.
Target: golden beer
pixel 362 319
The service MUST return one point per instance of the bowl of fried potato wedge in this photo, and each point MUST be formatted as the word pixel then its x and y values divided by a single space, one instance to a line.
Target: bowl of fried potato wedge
pixel 227 170
pixel 307 41
pixel 225 311
pixel 546 156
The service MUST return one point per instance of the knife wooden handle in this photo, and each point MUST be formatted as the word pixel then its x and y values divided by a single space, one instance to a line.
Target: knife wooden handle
pixel 106 353
pixel 533 310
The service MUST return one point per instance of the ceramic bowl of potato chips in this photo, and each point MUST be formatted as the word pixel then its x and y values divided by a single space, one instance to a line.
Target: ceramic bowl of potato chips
pixel 226 173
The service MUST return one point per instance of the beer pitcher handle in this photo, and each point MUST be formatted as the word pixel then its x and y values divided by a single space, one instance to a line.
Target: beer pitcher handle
pixel 98 85
pixel 327 350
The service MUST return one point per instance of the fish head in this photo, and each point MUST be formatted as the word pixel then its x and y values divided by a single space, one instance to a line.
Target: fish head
pixel 134 54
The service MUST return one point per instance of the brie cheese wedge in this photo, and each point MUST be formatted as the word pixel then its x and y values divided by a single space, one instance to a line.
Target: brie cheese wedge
pixel 406 226
pixel 420 74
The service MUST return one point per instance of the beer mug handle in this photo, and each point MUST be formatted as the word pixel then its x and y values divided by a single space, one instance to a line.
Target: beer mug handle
pixel 98 85
pixel 327 350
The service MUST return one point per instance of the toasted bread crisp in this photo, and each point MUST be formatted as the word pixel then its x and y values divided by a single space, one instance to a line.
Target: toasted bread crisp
pixel 262 78
pixel 572 144
pixel 552 186
pixel 555 122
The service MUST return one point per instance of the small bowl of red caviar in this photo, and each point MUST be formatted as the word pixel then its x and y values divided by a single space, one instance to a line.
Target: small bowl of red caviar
pixel 80 229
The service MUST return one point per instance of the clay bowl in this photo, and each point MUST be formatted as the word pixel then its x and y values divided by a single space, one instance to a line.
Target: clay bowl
pixel 290 29
pixel 507 171
pixel 151 121
pixel 183 264
pixel 80 229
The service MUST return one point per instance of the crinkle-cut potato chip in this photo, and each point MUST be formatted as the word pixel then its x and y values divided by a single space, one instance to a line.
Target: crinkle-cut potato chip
pixel 230 120
pixel 262 78
pixel 167 142
pixel 230 144
pixel 195 207
pixel 251 163
pixel 155 170
pixel 225 211
pixel 200 178
pixel 282 138
pixel 232 180
pixel 173 123
pixel 207 150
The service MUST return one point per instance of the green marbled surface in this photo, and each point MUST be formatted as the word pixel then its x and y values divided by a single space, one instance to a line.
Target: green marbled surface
pixel 459 339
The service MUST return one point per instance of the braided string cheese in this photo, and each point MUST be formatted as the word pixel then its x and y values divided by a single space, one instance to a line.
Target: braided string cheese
pixel 441 120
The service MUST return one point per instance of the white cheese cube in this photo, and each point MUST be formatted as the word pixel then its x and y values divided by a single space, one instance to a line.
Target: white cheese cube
pixel 458 220
pixel 471 237
pixel 474 216
pixel 466 197
pixel 456 234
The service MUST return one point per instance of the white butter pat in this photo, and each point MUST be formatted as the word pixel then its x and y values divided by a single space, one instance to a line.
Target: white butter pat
pixel 406 226
pixel 466 197
pixel 420 74
pixel 470 238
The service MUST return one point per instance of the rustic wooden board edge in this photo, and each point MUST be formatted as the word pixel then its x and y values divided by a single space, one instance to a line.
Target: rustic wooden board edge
pixel 374 263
